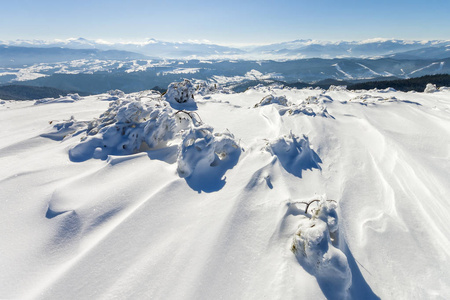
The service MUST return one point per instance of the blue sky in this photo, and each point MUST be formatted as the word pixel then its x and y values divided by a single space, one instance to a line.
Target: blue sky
pixel 225 22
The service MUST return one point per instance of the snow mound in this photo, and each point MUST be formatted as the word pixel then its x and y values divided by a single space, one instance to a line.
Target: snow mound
pixel 271 99
pixel 180 92
pixel 127 127
pixel 295 154
pixel 204 157
pixel 386 90
pixel 115 95
pixel 304 109
pixel 63 99
pixel 430 88
pixel 337 88
pixel 65 128
pixel 374 99
pixel 315 246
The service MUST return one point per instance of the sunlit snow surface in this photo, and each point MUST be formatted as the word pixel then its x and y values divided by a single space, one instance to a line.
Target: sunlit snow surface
pixel 212 205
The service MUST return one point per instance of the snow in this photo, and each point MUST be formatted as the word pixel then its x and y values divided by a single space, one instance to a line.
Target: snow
pixel 314 246
pixel 182 71
pixel 430 88
pixel 271 99
pixel 208 199
pixel 180 93
pixel 250 75
pixel 440 64
pixel 339 69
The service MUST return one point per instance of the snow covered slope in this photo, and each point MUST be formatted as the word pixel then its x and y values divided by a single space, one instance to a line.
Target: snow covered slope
pixel 141 197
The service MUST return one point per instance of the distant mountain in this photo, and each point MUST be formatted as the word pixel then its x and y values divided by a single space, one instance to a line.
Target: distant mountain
pixel 14 56
pixel 425 53
pixel 286 50
pixel 232 72
pixel 360 49
pixel 150 47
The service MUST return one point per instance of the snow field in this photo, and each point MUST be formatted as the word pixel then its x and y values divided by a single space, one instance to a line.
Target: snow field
pixel 206 203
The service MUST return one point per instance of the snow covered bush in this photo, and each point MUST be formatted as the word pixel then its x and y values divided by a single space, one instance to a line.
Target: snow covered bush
pixel 201 150
pixel 271 99
pixel 430 88
pixel 115 94
pixel 305 109
pixel 204 88
pixel 337 88
pixel 140 123
pixel 315 246
pixel 295 154
pixel 128 126
pixel 180 92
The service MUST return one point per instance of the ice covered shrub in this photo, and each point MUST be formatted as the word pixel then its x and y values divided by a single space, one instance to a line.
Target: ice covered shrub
pixel 430 88
pixel 202 149
pixel 306 109
pixel 115 94
pixel 205 88
pixel 337 88
pixel 315 246
pixel 180 92
pixel 271 99
pixel 127 126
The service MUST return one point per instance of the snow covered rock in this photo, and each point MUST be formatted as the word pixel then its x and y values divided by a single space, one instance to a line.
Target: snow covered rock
pixel 271 99
pixel 180 92
pixel 315 246
pixel 430 88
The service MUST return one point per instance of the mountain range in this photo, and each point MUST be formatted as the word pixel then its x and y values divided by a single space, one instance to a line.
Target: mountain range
pixel 96 66
pixel 286 50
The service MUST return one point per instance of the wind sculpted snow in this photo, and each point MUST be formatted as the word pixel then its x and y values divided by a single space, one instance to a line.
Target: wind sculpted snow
pixel 207 204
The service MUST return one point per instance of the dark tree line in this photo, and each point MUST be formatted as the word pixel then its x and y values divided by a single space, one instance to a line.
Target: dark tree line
pixel 412 84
